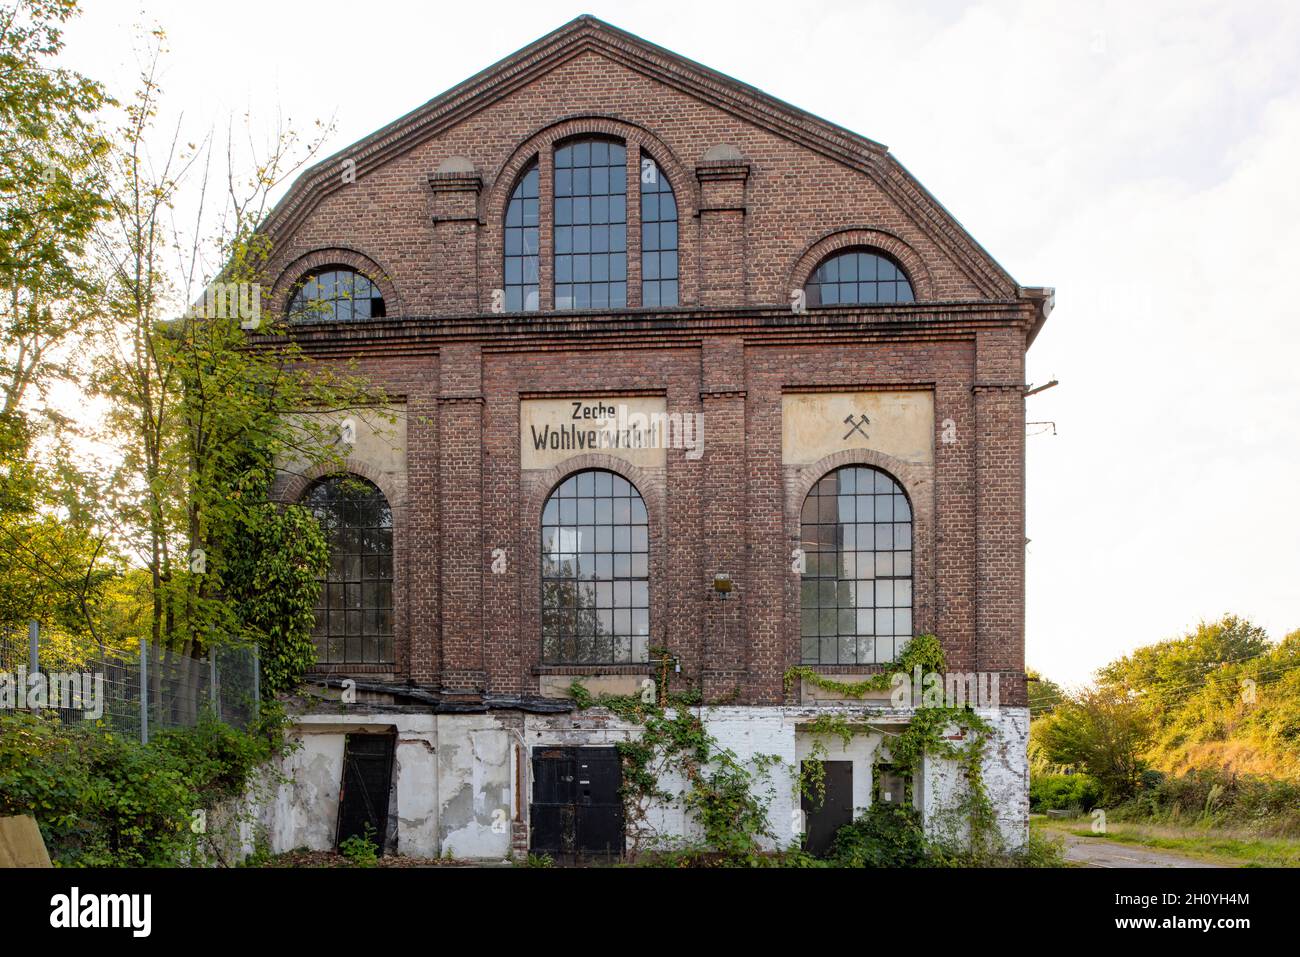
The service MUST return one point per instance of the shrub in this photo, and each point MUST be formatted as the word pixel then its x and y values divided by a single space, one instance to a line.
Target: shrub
pixel 1059 792
pixel 888 835
pixel 104 800
pixel 1267 806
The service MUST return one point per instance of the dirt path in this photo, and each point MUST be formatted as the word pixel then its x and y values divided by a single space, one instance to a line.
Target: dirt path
pixel 1099 852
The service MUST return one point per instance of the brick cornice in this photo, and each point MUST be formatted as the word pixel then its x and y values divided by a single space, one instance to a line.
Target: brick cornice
pixel 722 171
pixel 455 182
pixel 655 329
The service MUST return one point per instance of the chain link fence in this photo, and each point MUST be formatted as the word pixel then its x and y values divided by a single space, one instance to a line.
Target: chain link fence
pixel 132 694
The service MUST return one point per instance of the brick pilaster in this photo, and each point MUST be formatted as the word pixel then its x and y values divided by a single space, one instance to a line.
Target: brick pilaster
pixel 460 473
pixel 722 231
pixel 455 240
pixel 999 505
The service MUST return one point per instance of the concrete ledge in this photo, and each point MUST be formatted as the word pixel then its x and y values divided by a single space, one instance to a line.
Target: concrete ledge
pixel 557 686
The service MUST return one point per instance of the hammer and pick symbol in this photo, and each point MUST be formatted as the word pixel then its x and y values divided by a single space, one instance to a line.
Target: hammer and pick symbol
pixel 857 425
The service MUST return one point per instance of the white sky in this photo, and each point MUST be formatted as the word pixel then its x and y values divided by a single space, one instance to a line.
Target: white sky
pixel 1140 157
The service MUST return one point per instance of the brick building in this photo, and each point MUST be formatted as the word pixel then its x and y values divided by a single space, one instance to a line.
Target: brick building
pixel 672 365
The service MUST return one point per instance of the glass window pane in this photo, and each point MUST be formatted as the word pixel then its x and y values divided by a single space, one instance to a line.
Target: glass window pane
pixel 607 576
pixel 520 268
pixel 858 277
pixel 857 542
pixel 336 294
pixel 357 583
pixel 593 172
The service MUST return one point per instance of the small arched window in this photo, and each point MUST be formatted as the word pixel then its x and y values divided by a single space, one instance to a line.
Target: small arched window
pixel 591 225
pixel 856 589
pixel 595 572
pixel 354 612
pixel 658 237
pixel 521 282
pixel 336 294
pixel 858 277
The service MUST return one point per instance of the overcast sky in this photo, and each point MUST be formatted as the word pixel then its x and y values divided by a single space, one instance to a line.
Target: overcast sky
pixel 1142 158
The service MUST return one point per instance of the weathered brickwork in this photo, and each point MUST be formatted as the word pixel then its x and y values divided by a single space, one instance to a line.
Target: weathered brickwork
pixel 764 194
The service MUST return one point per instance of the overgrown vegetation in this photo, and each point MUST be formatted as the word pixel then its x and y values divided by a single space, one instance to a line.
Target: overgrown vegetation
pixel 719 788
pixel 730 797
pixel 105 800
pixel 361 849
pixel 1200 731
pixel 1063 792
pixel 152 519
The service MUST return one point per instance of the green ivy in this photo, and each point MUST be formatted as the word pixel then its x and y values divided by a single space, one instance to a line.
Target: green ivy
pixel 273 584
pixel 720 787
pixel 102 799
pixel 925 733
pixel 923 651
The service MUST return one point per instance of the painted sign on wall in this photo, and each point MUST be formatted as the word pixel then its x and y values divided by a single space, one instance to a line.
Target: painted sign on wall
pixel 637 429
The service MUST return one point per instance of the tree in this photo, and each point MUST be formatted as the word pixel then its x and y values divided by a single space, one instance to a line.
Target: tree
pixel 52 568
pixel 51 196
pixel 1044 693
pixel 205 405
pixel 1102 731
pixel 1164 674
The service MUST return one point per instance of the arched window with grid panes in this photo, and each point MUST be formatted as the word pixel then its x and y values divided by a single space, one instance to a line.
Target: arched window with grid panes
pixel 856 587
pixel 354 612
pixel 659 279
pixel 595 572
pixel 521 263
pixel 336 294
pixel 590 232
pixel 858 277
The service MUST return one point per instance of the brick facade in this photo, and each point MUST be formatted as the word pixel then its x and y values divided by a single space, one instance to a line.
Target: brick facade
pixel 764 193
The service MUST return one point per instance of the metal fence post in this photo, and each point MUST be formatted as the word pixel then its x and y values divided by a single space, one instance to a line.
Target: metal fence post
pixel 257 681
pixel 144 690
pixel 33 646
pixel 214 695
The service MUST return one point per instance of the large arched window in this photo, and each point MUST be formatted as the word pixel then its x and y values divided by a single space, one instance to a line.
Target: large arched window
pixel 521 282
pixel 336 294
pixel 591 225
pixel 354 613
pixel 856 589
pixel 658 237
pixel 595 572
pixel 858 276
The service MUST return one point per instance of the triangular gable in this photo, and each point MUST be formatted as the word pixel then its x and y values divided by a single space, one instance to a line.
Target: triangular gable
pixel 586 33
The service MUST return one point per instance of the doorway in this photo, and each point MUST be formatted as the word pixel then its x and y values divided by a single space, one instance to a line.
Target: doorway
pixel 835 809
pixel 363 797
pixel 576 812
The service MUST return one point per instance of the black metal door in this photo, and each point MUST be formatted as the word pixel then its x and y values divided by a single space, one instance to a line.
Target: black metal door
pixel 835 809
pixel 576 811
pixel 367 776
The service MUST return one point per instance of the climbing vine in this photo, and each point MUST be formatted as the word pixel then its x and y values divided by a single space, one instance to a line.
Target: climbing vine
pixel 927 732
pixel 720 788
pixel 923 651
